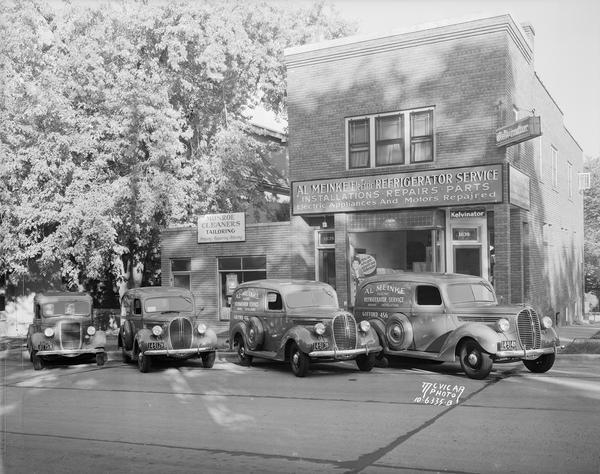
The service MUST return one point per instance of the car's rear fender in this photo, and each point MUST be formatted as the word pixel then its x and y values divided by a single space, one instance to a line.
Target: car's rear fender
pixel 484 335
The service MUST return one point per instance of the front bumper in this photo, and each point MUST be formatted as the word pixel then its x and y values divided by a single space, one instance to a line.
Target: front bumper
pixel 178 352
pixel 344 354
pixel 525 354
pixel 71 352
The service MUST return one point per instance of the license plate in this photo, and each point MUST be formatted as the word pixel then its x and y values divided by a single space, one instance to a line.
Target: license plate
pixel 45 346
pixel 155 345
pixel 320 346
pixel 507 345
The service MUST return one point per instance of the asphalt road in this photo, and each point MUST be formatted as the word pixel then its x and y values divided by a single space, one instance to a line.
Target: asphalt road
pixel 82 418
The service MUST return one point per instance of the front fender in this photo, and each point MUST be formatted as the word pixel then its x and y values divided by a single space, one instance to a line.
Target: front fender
pixel 98 339
pixel 208 339
pixel 370 338
pixel 141 338
pixel 485 336
pixel 303 337
pixel 379 327
pixel 38 338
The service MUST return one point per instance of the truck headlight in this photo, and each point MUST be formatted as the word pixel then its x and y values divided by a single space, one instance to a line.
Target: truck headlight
pixel 201 328
pixel 48 332
pixel 546 322
pixel 319 329
pixel 365 326
pixel 502 325
pixel 91 330
pixel 157 330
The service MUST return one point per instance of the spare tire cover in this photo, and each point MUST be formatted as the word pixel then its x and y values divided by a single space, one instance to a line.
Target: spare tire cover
pixel 398 332
pixel 127 336
pixel 255 334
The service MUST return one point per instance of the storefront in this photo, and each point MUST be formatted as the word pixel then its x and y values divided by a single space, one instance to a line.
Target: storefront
pixel 389 224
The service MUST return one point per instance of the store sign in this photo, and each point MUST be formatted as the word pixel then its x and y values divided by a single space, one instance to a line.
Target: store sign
pixel 519 131
pixel 445 187
pixel 518 188
pixel 466 234
pixel 222 228
pixel 467 213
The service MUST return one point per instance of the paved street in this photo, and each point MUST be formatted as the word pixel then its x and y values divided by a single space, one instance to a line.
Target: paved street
pixel 78 417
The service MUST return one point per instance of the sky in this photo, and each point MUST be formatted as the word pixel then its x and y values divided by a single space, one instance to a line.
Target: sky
pixel 567 45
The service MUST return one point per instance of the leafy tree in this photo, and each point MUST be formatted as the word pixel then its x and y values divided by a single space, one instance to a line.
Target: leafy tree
pixel 591 209
pixel 120 119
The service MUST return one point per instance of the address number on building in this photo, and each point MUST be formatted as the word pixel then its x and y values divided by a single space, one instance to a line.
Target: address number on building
pixel 468 234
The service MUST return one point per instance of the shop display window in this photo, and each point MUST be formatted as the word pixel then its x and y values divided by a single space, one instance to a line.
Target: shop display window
pixel 236 270
pixel 382 252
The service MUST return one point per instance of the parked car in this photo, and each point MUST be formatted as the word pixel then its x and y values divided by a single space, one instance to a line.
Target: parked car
pixel 159 321
pixel 298 322
pixel 442 317
pixel 63 327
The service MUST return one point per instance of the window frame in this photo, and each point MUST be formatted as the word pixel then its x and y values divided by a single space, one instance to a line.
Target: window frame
pixel 181 273
pixel 554 155
pixel 407 139
pixel 244 267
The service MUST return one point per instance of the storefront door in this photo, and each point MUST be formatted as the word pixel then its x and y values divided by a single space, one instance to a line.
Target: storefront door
pixel 325 256
pixel 468 243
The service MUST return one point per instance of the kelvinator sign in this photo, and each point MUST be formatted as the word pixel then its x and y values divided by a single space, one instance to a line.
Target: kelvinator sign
pixel 447 187
pixel 519 131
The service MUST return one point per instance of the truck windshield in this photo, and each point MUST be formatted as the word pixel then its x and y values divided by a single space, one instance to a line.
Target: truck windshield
pixel 311 298
pixel 470 293
pixel 168 303
pixel 66 308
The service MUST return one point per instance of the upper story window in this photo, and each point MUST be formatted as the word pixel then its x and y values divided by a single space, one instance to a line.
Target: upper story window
pixel 390 139
pixel 570 179
pixel 554 154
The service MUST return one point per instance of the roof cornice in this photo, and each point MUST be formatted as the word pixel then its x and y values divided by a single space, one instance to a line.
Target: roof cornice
pixel 356 46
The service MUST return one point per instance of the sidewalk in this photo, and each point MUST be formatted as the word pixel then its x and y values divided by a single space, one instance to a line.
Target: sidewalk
pixel 583 338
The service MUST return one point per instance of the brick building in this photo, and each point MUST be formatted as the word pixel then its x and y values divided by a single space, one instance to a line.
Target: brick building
pixel 432 149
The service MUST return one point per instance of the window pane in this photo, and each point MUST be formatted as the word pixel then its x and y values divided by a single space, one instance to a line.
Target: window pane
pixel 390 154
pixel 181 281
pixel 421 151
pixel 389 128
pixel 358 132
pixel 181 265
pixel 254 263
pixel 230 263
pixel 359 159
pixel 358 143
pixel 251 276
pixel 421 124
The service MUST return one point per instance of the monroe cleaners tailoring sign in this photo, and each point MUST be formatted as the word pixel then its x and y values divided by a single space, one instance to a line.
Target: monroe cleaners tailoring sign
pixel 446 187
pixel 222 228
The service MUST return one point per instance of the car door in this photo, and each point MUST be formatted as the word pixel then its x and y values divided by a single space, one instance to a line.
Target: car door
pixel 137 318
pixel 429 318
pixel 273 320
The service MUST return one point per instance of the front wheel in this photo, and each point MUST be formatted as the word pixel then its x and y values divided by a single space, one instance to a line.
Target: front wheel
pixel 100 359
pixel 365 362
pixel 476 363
pixel 243 359
pixel 144 363
pixel 299 361
pixel 541 364
pixel 38 363
pixel 208 359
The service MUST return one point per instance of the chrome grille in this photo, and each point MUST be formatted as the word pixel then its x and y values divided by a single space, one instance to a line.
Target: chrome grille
pixel 344 331
pixel 70 335
pixel 528 326
pixel 180 333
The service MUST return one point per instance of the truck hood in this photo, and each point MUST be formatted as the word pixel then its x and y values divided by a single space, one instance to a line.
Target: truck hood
pixel 498 311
